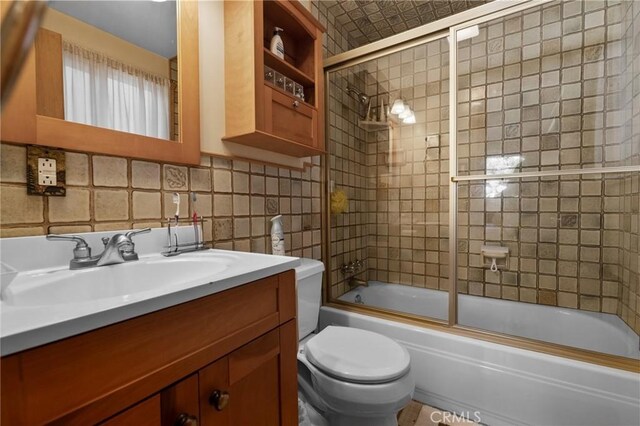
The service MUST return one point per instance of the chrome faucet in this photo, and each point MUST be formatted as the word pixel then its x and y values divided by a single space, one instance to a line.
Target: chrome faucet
pixel 117 249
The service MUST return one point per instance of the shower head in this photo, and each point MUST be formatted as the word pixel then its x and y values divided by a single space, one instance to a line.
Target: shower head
pixel 358 95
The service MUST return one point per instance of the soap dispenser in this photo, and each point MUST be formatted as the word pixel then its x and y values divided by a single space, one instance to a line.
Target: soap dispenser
pixel 277 46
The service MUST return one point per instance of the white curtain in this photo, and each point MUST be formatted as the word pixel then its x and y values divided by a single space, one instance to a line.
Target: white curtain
pixel 103 92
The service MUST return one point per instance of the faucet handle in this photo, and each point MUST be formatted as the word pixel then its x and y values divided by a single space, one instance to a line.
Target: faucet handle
pixel 136 232
pixel 128 251
pixel 82 249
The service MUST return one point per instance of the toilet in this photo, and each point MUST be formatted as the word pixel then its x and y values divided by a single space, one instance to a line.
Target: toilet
pixel 346 376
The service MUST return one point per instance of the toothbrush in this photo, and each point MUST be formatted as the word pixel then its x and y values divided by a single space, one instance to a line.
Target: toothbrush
pixel 196 231
pixel 176 201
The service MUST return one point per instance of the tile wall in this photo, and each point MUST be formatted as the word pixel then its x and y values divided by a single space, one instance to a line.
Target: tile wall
pixel 236 197
pixel 629 220
pixel 110 193
pixel 559 251
pixel 541 90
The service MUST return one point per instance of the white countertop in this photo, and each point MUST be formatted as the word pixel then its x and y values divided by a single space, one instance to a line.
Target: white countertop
pixel 27 326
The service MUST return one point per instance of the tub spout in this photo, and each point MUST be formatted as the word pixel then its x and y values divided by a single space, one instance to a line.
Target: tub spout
pixel 355 282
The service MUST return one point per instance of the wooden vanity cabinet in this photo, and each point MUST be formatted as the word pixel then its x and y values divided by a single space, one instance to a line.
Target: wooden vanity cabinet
pixel 224 359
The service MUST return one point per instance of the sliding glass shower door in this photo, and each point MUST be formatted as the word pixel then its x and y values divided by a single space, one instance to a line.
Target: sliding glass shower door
pixel 546 164
pixel 538 174
pixel 389 150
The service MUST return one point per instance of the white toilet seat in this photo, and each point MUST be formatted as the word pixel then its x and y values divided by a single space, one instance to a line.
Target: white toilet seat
pixel 342 389
pixel 357 356
pixel 366 400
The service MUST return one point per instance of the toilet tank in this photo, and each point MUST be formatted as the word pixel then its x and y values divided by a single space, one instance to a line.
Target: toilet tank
pixel 309 290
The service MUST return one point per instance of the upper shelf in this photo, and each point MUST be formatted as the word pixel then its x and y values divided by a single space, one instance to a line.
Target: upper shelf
pixel 286 68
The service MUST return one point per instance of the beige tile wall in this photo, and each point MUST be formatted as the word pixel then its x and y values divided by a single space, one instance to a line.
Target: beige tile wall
pixel 543 85
pixel 629 219
pixel 109 193
pixel 560 252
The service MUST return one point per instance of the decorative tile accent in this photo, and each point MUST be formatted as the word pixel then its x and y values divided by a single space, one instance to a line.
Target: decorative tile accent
pixel 175 178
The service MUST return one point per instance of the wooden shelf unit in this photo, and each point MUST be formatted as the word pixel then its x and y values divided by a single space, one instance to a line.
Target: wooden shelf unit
pixel 287 69
pixel 258 113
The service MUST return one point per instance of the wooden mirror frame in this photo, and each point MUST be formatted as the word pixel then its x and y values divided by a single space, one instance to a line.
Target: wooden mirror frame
pixel 22 120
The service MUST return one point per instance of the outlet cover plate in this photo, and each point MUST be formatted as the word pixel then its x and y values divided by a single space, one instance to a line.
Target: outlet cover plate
pixel 46 177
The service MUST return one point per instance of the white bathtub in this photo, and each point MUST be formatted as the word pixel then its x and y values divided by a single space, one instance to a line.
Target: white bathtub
pixel 502 385
pixel 595 331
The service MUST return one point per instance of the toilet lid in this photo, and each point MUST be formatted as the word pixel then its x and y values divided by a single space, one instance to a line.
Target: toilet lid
pixel 356 355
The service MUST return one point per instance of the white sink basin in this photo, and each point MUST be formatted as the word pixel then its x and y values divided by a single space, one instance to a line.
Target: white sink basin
pixel 45 301
pixel 55 287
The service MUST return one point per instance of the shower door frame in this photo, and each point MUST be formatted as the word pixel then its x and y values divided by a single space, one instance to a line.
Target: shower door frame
pixel 449 26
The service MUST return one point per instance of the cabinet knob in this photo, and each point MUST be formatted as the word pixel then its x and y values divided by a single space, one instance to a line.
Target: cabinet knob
pixel 186 420
pixel 219 399
pixel 296 104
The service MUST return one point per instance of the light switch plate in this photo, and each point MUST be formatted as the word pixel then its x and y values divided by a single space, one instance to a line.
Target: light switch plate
pixel 45 171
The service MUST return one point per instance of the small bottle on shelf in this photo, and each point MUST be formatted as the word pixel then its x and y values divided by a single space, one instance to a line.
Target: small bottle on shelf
pixel 277 46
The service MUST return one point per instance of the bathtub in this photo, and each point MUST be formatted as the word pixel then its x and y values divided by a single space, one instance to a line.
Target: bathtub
pixel 492 383
pixel 595 331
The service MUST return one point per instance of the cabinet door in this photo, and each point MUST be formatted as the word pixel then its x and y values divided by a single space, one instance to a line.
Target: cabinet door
pixel 243 388
pixel 289 118
pixel 146 413
pixel 180 403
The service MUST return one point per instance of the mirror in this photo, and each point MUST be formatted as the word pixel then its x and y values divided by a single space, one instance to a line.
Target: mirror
pixel 119 65
pixel 35 111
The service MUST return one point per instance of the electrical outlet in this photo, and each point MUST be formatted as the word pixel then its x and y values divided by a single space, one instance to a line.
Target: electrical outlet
pixel 46 165
pixel 47 172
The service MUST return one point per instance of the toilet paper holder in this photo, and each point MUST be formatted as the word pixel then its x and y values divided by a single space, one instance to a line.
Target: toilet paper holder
pixel 492 255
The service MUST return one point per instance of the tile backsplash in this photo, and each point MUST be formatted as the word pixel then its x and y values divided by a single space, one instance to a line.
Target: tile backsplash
pixel 110 193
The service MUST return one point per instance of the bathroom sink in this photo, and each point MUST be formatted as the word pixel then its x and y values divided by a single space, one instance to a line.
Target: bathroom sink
pixel 42 300
pixel 64 286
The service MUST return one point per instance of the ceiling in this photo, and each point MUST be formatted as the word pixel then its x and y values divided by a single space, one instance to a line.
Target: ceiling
pixel 367 21
pixel 148 24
